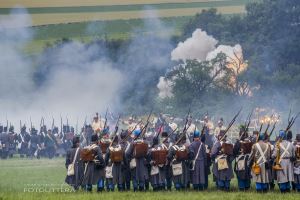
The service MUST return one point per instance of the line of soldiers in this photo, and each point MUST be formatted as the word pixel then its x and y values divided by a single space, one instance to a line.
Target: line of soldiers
pixel 163 157
pixel 43 143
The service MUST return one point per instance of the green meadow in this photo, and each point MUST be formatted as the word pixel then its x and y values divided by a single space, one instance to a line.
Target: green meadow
pixel 44 179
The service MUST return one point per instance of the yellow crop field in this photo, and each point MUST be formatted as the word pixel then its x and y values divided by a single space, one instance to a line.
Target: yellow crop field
pixel 57 18
pixel 72 3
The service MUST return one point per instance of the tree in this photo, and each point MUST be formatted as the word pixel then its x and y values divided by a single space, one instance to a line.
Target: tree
pixel 193 79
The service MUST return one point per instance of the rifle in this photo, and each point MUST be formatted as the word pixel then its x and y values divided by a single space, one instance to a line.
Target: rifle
pixel 52 126
pixel 117 125
pixel 268 126
pixel 231 123
pixel 186 120
pixel 61 126
pixel 76 126
pixel 247 124
pixel 159 131
pixel 115 132
pixel 185 128
pixel 85 120
pixel 41 122
pixel 274 125
pixel 170 134
pixel 105 119
pixel 261 126
pixel 292 121
pixel 20 126
pixel 7 126
pixel 289 115
pixel 143 131
pixel 131 132
pixel 30 124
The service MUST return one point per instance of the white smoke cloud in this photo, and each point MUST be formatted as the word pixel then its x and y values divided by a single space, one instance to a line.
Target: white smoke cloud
pixel 165 88
pixel 195 47
pixel 73 79
pixel 203 47
pixel 230 51
pixel 78 82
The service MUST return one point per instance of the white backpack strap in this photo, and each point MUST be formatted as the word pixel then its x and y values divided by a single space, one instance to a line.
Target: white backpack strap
pixel 22 138
pixel 285 151
pixel 262 154
pixel 198 151
pixel 127 147
pixel 76 153
pixel 176 147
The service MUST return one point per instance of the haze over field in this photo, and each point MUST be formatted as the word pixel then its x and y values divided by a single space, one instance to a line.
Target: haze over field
pixel 76 80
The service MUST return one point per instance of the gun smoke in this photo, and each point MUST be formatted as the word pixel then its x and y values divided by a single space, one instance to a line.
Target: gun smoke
pixel 73 79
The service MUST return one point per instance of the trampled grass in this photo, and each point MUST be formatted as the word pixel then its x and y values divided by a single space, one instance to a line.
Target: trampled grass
pixel 17 175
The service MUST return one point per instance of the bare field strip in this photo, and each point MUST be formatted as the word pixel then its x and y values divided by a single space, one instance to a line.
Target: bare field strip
pixel 135 7
pixel 70 3
pixel 43 19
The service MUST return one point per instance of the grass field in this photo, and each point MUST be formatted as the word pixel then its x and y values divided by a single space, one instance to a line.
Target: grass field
pixel 18 176
pixel 111 30
pixel 132 10
pixel 77 3
pixel 86 20
pixel 66 3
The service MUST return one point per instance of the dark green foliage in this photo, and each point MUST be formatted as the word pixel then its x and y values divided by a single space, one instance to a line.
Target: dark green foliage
pixel 269 34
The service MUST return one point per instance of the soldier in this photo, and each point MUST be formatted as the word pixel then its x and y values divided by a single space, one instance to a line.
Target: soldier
pixel 272 172
pixel 42 135
pixel 59 142
pixel 94 170
pixel 259 160
pixel 97 124
pixel 222 167
pixel 12 141
pixel 139 170
pixel 50 144
pixel 158 170
pixel 254 136
pixel 74 178
pixel 114 158
pixel 242 150
pixel 285 152
pixel 35 146
pixel 172 129
pixel 199 162
pixel 68 134
pixel 109 164
pixel 297 163
pixel 220 126
pixel 179 157
pixel 126 164
pixel 190 128
pixel 159 122
pixel 165 143
pixel 1 130
pixel 289 136
pixel 210 138
pixel 83 137
pixel 4 140
pixel 23 139
pixel 149 137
